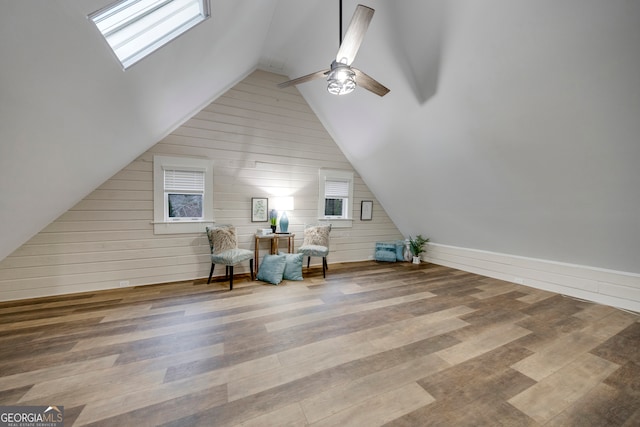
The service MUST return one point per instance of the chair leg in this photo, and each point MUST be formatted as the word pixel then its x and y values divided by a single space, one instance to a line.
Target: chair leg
pixel 251 268
pixel 324 267
pixel 308 261
pixel 226 272
pixel 230 268
pixel 211 273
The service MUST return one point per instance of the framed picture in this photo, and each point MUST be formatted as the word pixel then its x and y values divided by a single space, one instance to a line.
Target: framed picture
pixel 259 209
pixel 366 210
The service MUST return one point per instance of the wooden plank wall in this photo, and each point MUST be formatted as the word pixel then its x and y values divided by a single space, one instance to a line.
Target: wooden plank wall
pixel 264 142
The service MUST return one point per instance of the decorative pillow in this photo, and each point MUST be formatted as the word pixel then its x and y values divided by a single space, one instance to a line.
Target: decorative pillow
pixel 385 256
pixel 272 269
pixel 400 250
pixel 222 238
pixel 292 266
pixel 317 236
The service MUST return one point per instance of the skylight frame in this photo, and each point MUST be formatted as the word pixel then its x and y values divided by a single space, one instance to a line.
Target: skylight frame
pixel 134 29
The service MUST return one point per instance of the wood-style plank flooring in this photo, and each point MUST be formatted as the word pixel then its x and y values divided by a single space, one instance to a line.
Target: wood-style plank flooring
pixel 372 344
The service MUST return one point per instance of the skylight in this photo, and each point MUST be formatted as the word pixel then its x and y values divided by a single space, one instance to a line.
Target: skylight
pixel 135 28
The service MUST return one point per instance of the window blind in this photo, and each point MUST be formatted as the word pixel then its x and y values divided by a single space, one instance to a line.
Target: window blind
pixel 336 189
pixel 179 180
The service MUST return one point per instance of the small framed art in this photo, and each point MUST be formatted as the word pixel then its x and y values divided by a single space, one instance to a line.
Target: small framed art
pixel 366 210
pixel 259 209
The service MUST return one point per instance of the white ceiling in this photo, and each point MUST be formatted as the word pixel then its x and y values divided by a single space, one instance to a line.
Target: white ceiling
pixel 511 126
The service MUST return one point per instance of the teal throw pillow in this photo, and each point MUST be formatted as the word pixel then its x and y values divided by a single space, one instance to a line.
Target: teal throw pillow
pixel 293 266
pixel 400 250
pixel 272 269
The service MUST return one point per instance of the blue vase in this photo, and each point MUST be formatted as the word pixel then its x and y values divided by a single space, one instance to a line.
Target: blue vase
pixel 284 223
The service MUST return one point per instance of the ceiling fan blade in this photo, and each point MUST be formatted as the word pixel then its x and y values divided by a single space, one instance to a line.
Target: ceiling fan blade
pixel 369 83
pixel 304 79
pixel 355 34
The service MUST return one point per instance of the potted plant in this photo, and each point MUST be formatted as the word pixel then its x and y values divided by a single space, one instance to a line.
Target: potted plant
pixel 416 245
pixel 273 219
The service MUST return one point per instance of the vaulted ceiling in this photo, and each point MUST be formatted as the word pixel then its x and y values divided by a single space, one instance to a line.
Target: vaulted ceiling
pixel 511 126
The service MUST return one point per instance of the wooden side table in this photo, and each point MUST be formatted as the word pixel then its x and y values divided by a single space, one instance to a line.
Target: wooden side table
pixel 273 239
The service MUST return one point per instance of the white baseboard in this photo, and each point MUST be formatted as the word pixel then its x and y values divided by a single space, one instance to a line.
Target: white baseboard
pixel 609 287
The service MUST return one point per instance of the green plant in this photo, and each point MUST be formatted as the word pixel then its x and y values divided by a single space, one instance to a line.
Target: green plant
pixel 417 244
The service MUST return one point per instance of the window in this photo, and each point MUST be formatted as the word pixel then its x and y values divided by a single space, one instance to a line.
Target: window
pixel 336 198
pixel 335 201
pixel 135 28
pixel 183 194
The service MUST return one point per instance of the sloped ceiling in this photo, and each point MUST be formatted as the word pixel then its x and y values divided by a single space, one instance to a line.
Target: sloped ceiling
pixel 70 118
pixel 511 126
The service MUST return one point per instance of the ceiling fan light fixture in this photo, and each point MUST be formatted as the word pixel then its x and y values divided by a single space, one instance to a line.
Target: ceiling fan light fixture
pixel 341 79
pixel 341 88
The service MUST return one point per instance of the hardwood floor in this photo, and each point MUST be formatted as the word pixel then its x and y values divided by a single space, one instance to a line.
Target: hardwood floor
pixel 372 344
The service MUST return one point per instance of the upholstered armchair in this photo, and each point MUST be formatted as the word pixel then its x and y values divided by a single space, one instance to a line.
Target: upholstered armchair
pixel 316 243
pixel 225 251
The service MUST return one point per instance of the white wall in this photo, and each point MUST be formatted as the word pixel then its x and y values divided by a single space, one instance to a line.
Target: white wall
pixel 263 142
pixel 531 141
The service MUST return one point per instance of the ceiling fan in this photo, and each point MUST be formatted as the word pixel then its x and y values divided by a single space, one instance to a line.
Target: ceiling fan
pixel 342 77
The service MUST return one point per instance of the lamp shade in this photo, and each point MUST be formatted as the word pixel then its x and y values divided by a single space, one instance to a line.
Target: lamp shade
pixel 283 203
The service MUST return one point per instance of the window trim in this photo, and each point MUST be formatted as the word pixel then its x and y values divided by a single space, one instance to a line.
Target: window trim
pixel 161 223
pixel 337 175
